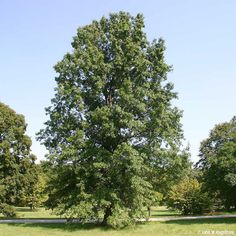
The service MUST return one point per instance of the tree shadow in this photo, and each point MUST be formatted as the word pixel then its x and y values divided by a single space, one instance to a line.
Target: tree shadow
pixel 163 213
pixel 70 227
pixel 29 210
pixel 25 209
pixel 203 221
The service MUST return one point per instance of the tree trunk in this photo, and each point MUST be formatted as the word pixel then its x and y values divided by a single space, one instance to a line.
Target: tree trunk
pixel 149 211
pixel 106 215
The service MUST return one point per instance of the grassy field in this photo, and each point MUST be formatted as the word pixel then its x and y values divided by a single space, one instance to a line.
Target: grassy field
pixel 174 228
pixel 161 211
pixel 25 212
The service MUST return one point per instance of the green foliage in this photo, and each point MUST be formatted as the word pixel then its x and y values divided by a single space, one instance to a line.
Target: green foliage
pixel 17 165
pixel 120 217
pixel 158 199
pixel 218 163
pixel 111 124
pixel 188 198
pixel 36 195
pixel 168 167
pixel 7 210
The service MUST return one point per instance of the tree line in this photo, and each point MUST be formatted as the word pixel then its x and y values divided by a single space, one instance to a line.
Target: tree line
pixel 114 137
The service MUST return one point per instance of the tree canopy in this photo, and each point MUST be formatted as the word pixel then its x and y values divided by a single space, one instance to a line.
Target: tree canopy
pixel 111 122
pixel 188 198
pixel 17 168
pixel 218 162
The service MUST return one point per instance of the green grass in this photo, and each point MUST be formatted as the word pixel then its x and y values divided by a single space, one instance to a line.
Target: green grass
pixel 161 211
pixel 25 212
pixel 174 228
pixel 224 212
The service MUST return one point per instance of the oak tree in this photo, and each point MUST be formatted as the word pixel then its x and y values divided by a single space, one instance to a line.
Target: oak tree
pixel 17 163
pixel 111 122
pixel 218 162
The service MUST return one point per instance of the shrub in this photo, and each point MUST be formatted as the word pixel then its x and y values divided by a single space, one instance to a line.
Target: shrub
pixel 7 210
pixel 188 197
pixel 119 218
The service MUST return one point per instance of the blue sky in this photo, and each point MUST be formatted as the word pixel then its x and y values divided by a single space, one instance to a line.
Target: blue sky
pixel 200 37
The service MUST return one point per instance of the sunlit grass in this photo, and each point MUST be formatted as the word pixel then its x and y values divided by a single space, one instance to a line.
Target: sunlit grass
pixel 177 228
pixel 161 211
pixel 26 212
pixel 173 228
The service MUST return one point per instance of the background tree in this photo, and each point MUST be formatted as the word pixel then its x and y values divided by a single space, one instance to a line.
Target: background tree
pixel 36 192
pixel 188 197
pixel 218 162
pixel 16 161
pixel 168 169
pixel 109 121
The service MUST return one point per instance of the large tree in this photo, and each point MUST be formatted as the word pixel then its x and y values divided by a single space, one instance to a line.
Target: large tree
pixel 17 164
pixel 111 122
pixel 218 162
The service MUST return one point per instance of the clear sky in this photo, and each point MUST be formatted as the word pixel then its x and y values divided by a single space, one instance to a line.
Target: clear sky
pixel 200 37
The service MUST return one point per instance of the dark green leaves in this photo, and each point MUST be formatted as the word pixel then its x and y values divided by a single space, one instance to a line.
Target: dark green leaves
pixel 218 162
pixel 17 168
pixel 111 112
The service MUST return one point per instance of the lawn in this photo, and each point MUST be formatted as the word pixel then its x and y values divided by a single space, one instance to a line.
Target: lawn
pixel 25 212
pixel 174 228
pixel 177 228
pixel 161 211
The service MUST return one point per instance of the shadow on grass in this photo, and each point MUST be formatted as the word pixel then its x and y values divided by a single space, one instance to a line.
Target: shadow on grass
pixel 93 226
pixel 76 226
pixel 65 226
pixel 232 211
pixel 163 213
pixel 25 209
pixel 202 221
